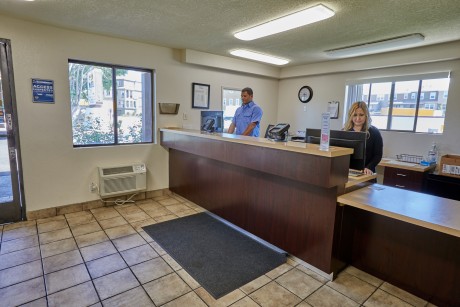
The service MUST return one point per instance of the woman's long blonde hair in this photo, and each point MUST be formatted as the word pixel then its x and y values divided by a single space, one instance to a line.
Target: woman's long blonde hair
pixel 356 105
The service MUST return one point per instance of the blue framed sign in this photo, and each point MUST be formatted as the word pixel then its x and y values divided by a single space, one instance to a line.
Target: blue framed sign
pixel 42 91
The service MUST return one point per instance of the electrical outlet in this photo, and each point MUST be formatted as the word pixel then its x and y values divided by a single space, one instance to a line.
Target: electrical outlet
pixel 184 116
pixel 93 187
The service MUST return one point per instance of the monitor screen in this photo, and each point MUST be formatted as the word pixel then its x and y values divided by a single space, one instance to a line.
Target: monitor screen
pixel 217 116
pixel 268 129
pixel 348 139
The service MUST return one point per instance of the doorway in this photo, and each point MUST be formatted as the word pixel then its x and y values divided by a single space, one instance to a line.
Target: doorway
pixel 231 100
pixel 12 207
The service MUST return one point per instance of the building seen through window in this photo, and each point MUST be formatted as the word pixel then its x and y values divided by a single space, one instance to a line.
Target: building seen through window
pixel 408 105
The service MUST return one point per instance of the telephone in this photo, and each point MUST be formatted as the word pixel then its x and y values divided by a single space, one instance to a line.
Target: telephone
pixel 279 132
pixel 208 126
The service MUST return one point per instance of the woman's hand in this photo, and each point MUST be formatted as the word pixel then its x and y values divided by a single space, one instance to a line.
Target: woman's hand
pixel 368 172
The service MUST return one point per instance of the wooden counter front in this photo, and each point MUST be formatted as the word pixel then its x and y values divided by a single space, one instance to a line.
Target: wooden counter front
pixel 284 193
pixel 406 238
pixel 297 161
pixel 432 212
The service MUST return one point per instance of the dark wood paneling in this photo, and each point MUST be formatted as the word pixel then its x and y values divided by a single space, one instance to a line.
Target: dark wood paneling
pixel 419 260
pixel 316 170
pixel 443 186
pixel 404 179
pixel 292 215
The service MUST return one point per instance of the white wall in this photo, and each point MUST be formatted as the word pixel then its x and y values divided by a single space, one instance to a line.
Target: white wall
pixel 55 173
pixel 331 86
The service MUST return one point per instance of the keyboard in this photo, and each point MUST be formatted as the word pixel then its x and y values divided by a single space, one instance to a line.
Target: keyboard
pixel 354 173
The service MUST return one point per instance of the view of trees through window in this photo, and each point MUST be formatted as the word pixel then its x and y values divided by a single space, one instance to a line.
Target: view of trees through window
pixel 412 105
pixel 110 104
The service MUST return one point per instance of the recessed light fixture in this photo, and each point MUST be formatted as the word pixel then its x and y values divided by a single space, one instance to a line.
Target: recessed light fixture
pixel 377 46
pixel 288 22
pixel 259 57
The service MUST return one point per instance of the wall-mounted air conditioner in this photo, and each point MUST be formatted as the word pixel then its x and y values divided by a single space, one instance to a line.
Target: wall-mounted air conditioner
pixel 124 179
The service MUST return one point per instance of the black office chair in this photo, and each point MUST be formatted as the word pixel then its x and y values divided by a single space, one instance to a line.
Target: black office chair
pixel 268 128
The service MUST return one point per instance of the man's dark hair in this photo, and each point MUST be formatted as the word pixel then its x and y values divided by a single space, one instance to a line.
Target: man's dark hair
pixel 247 90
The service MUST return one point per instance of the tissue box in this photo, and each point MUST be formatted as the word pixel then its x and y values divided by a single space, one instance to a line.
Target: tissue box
pixel 450 166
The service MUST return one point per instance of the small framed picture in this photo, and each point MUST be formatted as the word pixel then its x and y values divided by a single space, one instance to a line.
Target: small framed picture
pixel 333 109
pixel 200 96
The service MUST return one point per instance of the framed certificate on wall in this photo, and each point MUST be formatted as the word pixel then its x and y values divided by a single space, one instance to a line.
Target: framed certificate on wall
pixel 200 96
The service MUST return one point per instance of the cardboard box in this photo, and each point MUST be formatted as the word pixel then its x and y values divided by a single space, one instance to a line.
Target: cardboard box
pixel 450 166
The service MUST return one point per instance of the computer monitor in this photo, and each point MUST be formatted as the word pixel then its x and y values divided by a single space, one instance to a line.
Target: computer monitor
pixel 208 116
pixel 268 129
pixel 279 132
pixel 348 139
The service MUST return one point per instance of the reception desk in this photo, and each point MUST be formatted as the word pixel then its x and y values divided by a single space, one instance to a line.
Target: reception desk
pixel 283 192
pixel 406 238
pixel 286 193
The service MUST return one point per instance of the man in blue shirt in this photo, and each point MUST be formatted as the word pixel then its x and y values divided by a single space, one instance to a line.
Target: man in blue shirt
pixel 247 117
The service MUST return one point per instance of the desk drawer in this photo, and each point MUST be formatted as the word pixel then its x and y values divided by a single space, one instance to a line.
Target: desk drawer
pixel 404 179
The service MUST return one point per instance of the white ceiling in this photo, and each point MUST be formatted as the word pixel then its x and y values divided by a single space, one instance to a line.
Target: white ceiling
pixel 209 25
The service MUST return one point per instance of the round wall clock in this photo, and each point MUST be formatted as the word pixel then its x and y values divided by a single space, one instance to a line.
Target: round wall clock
pixel 305 94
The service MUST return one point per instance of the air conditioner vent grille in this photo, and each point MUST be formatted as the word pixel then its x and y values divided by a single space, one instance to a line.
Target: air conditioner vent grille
pixel 120 184
pixel 122 179
pixel 117 170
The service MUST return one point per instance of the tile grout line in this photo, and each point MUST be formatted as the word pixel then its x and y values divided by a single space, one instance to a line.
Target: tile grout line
pixel 43 267
pixel 127 265
pixel 84 262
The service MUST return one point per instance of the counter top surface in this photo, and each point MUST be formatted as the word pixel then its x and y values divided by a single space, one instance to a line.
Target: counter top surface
pixel 312 149
pixel 405 165
pixel 436 213
pixel 352 181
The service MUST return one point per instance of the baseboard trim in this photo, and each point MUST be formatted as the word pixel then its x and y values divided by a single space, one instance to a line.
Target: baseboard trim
pixel 71 208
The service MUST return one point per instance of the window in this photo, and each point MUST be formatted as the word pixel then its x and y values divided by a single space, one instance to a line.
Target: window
pixel 101 112
pixel 407 115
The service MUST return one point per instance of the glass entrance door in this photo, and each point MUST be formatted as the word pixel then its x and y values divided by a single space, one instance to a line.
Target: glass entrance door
pixel 11 192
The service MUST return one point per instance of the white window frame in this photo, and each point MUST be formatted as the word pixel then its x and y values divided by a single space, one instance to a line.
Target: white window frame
pixel 393 79
pixel 118 87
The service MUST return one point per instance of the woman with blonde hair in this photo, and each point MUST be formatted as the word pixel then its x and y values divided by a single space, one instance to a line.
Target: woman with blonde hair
pixel 359 119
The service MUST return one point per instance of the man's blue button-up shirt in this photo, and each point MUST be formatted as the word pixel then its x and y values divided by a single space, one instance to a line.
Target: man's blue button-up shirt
pixel 246 114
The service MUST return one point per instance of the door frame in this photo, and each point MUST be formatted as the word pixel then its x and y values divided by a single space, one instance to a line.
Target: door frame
pixel 15 210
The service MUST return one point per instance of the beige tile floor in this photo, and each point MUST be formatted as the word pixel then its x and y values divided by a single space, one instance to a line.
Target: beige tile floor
pixel 102 257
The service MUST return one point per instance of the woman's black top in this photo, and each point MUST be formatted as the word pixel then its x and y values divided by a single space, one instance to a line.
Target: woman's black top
pixel 374 148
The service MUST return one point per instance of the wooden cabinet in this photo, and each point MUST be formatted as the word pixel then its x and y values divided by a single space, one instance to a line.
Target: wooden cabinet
pixel 404 175
pixel 443 186
pixel 403 178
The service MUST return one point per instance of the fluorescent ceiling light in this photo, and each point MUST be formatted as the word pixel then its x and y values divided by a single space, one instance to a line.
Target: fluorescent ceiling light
pixel 377 46
pixel 259 57
pixel 299 19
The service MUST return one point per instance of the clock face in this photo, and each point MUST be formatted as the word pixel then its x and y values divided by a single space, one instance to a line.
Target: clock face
pixel 305 94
